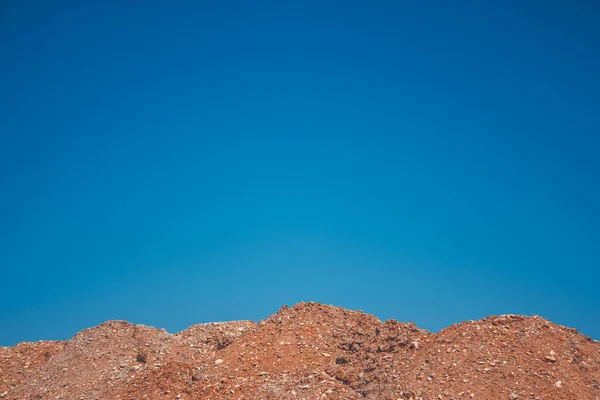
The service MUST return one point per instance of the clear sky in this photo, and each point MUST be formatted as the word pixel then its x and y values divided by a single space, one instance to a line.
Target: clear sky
pixel 172 163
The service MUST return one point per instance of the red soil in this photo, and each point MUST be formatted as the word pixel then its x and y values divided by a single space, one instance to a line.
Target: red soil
pixel 309 351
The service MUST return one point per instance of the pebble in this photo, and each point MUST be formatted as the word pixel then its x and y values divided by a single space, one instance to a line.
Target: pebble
pixel 219 361
pixel 558 384
pixel 513 396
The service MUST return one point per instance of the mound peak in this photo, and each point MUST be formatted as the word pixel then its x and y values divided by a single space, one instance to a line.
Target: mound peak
pixel 310 351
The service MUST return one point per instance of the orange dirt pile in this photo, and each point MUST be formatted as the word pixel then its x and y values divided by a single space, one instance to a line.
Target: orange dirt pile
pixel 309 351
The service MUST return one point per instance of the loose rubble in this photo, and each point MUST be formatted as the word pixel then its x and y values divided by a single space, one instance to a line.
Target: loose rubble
pixel 310 351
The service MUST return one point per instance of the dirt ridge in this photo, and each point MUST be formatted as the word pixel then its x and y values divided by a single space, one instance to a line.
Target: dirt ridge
pixel 309 351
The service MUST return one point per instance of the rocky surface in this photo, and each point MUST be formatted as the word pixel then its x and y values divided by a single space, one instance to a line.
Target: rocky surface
pixel 309 351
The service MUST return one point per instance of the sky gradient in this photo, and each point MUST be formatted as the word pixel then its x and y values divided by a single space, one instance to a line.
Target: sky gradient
pixel 171 164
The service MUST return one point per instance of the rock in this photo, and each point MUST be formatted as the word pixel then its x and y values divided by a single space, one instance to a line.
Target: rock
pixel 322 349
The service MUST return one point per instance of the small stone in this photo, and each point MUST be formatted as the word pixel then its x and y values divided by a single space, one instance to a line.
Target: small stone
pixel 326 354
pixel 429 378
pixel 513 396
pixel 219 361
pixel 550 358
pixel 558 384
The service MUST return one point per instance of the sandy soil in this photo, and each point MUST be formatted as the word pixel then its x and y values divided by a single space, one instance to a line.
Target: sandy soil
pixel 309 351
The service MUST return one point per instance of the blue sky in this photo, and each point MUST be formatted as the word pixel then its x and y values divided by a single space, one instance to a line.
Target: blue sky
pixel 178 163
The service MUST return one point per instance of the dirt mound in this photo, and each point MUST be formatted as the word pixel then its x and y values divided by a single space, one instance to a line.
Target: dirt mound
pixel 309 351
pixel 23 362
